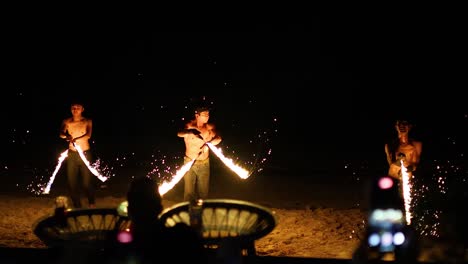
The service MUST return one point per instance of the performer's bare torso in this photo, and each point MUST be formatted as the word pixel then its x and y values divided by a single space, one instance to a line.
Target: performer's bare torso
pixel 195 147
pixel 77 128
pixel 407 152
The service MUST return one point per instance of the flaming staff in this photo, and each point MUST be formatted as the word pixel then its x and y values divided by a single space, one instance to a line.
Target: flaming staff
pixel 168 185
pixel 62 157
pixel 406 186
pixel 52 178
pixel 93 170
pixel 241 172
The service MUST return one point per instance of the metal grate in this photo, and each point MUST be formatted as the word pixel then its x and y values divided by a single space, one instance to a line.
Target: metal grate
pixel 88 227
pixel 226 219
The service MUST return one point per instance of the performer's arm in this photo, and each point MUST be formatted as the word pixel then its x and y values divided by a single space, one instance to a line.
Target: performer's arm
pixel 188 131
pixel 388 154
pixel 64 131
pixel 216 140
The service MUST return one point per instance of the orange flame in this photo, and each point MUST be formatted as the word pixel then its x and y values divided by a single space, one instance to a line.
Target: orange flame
pixel 406 191
pixel 62 158
pixel 166 186
pixel 92 169
pixel 52 178
pixel 241 172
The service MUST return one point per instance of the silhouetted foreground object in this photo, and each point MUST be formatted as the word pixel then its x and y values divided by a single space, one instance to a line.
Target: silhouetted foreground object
pixel 229 227
pixel 115 236
pixel 151 240
pixel 80 235
pixel 388 235
pixel 92 227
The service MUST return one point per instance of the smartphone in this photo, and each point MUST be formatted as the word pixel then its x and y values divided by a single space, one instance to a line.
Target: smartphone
pixel 386 229
pixel 387 232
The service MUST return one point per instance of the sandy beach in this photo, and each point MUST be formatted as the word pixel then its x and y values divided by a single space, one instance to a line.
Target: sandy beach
pixel 315 219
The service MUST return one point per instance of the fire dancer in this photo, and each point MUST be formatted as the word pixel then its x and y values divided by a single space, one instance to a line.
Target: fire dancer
pixel 77 130
pixel 403 149
pixel 196 134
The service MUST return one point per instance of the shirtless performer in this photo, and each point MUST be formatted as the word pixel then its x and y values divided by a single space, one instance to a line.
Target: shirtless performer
pixel 196 133
pixel 404 148
pixel 77 130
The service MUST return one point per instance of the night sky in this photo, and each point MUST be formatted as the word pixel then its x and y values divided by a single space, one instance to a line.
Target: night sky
pixel 320 92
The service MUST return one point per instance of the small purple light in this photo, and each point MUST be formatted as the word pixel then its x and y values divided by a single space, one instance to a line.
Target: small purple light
pixel 124 237
pixel 385 183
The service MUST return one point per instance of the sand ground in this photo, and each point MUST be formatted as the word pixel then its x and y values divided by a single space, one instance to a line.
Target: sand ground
pixel 317 217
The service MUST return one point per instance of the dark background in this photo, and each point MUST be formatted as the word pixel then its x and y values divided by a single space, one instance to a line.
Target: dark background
pixel 334 84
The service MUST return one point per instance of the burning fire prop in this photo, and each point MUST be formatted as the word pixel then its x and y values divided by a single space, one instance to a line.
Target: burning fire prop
pixel 165 186
pixel 62 158
pixel 168 185
pixel 406 186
